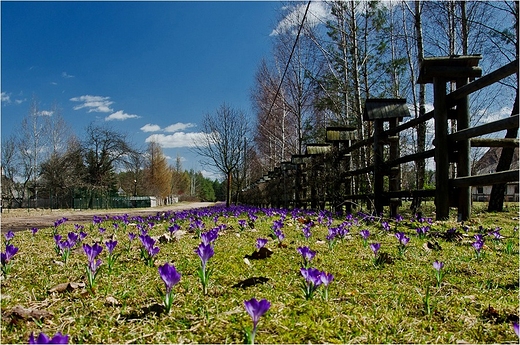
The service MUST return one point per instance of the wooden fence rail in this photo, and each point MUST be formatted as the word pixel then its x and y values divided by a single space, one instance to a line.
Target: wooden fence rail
pixel 325 175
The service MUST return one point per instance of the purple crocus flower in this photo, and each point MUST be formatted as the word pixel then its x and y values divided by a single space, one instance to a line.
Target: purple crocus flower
pixel 57 239
pixel 205 252
pixel 311 276
pixel 44 339
pixel 260 243
pixel 479 238
pixel 34 231
pixel 256 309
pixel 242 223
pixel 175 227
pixel 365 234
pixel 307 254
pixel 515 328
pixel 386 225
pixel 72 238
pixel 478 245
pixel 82 235
pixel 92 251
pixel 110 246
pixel 375 247
pixel 326 278
pixel 210 236
pixel 131 236
pixel 148 244
pixel 279 234
pixel 169 275
pixel 10 251
pixel 9 236
pixel 438 265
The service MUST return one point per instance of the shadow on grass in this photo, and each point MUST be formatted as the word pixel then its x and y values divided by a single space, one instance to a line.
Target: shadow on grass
pixel 151 310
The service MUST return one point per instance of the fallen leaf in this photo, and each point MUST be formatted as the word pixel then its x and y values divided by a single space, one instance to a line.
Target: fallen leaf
pixel 20 312
pixel 247 262
pixel 70 286
pixel 112 301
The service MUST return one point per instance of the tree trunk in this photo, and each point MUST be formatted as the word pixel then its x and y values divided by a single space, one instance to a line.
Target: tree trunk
pixel 228 197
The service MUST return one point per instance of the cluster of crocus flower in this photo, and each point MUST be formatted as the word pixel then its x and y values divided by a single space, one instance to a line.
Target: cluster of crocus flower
pixel 242 223
pixel 337 233
pixel 403 241
pixel 255 309
pixel 170 277
pixel 313 278
pixel 58 223
pixel 210 236
pixel 478 245
pixel 306 230
pixel 422 231
pixel 148 249
pixel 93 264
pixel 307 255
pixel 42 338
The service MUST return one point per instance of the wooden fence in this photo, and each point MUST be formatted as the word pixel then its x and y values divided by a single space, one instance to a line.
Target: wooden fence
pixel 329 175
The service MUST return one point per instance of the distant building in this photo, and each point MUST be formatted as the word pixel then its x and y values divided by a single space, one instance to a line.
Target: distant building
pixel 488 164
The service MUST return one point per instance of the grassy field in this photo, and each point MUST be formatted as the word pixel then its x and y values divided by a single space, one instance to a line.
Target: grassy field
pixel 391 297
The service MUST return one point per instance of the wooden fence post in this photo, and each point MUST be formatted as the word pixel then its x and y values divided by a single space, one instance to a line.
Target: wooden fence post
pixel 463 159
pixel 442 163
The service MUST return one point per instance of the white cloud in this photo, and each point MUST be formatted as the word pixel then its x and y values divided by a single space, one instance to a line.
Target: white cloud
pixel 177 127
pixel 93 103
pixel 211 174
pixel 318 13
pixel 120 116
pixel 177 140
pixel 45 113
pixel 65 75
pixel 5 97
pixel 150 128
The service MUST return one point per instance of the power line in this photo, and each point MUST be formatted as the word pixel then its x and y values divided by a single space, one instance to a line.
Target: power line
pixel 289 61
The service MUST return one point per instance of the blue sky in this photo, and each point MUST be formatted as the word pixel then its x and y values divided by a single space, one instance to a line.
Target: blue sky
pixel 144 68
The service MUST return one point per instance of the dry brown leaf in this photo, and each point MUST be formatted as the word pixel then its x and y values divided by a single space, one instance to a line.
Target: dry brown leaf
pixel 20 312
pixel 70 286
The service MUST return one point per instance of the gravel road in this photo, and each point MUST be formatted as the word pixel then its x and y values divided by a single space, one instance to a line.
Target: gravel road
pixel 21 219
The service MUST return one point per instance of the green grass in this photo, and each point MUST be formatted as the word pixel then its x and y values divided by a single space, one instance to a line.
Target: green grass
pixel 367 304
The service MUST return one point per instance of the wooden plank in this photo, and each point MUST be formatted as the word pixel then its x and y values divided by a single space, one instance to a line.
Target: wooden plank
pixel 488 79
pixel 485 142
pixel 452 73
pixel 492 127
pixel 486 179
pixel 411 158
pixel 409 124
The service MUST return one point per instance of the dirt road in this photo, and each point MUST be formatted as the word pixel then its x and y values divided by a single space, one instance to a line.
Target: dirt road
pixel 23 219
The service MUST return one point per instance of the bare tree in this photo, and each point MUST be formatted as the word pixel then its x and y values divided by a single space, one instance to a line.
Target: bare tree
pixel 104 150
pixel 222 143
